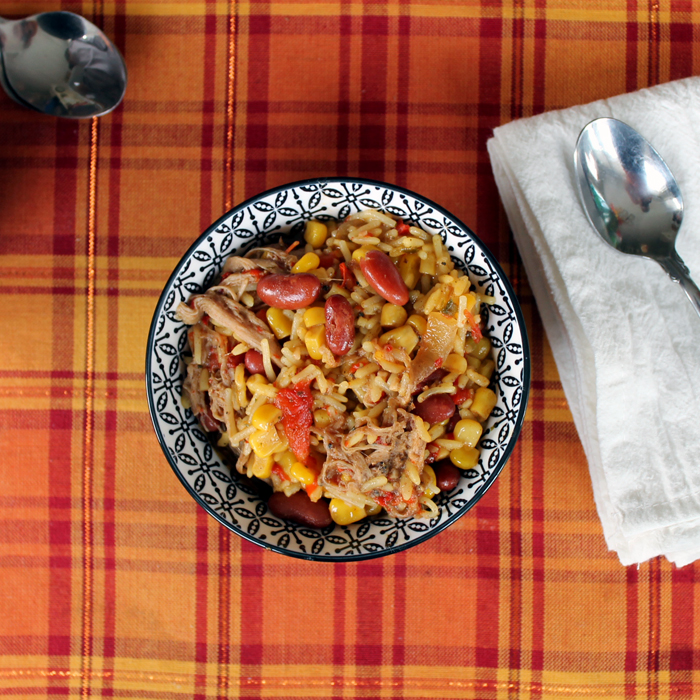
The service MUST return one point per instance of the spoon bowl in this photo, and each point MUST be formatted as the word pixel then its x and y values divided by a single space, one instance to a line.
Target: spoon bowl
pixel 630 196
pixel 60 64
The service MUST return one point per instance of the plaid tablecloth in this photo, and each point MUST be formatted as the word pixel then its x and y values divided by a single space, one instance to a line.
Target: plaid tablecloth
pixel 113 583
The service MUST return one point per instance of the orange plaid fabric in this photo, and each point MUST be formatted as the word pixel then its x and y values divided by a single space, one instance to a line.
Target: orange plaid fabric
pixel 113 583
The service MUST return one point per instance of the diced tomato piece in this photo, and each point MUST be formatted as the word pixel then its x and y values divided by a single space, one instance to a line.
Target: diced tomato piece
pixel 462 395
pixel 296 404
pixel 403 229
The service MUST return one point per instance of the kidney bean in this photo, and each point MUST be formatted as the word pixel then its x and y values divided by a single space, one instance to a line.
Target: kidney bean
pixel 299 509
pixel 383 277
pixel 254 362
pixel 446 475
pixel 340 324
pixel 435 408
pixel 433 377
pixel 289 291
pixel 209 423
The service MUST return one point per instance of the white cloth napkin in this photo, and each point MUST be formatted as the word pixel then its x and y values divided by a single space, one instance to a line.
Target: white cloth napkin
pixel 625 338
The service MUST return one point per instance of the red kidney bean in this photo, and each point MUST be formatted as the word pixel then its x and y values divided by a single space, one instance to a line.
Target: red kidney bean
pixel 209 423
pixel 435 408
pixel 289 291
pixel 299 509
pixel 383 277
pixel 433 377
pixel 254 362
pixel 446 475
pixel 340 324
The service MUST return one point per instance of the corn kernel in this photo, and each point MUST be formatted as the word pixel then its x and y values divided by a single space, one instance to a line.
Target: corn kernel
pixel 343 513
pixel 265 442
pixel 487 367
pixel 303 474
pixel 306 263
pixel 278 321
pixel 286 460
pixel 322 419
pixel 484 401
pixel 409 269
pixel 373 509
pixel 262 466
pixel 403 336
pixel 468 431
pixel 473 363
pixel 315 233
pixel 393 316
pixel 362 251
pixel 315 338
pixel 465 457
pixel 455 363
pixel 427 266
pixel 266 416
pixel 418 323
pixel 314 316
pixel 255 379
pixel 430 488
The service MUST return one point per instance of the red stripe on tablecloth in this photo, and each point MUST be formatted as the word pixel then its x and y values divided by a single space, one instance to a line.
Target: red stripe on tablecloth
pixel 683 644
pixel 259 28
pixel 252 615
pixel 398 651
pixel 230 124
pixel 224 614
pixel 60 595
pixel 339 624
pixel 343 123
pixel 201 603
pixel 372 132
pixel 653 661
pixel 369 604
pixel 681 39
pixel 402 95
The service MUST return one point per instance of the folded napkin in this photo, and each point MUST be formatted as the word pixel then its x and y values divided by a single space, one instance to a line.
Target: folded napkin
pixel 625 338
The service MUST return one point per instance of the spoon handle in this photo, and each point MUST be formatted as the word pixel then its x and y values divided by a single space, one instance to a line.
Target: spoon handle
pixel 678 272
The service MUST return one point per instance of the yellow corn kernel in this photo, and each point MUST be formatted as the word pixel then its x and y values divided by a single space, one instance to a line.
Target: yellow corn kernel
pixel 315 339
pixel 255 379
pixel 266 416
pixel 262 466
pixel 403 336
pixel 468 431
pixel 471 301
pixel 483 348
pixel 483 403
pixel 393 316
pixel 278 321
pixel 315 233
pixel 455 363
pixel 265 442
pixel 465 457
pixel 286 460
pixel 306 263
pixel 343 513
pixel 322 419
pixel 204 380
pixel 418 323
pixel 409 269
pixel 362 251
pixel 303 474
pixel 473 363
pixel 314 316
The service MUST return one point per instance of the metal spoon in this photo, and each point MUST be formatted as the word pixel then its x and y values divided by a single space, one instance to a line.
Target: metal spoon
pixel 630 196
pixel 58 63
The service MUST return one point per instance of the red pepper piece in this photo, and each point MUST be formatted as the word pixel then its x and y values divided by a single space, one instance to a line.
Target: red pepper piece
pixel 296 404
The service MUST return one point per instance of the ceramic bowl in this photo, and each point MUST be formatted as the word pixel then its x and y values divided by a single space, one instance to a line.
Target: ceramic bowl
pixel 233 500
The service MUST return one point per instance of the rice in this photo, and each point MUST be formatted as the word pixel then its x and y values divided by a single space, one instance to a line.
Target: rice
pixel 347 416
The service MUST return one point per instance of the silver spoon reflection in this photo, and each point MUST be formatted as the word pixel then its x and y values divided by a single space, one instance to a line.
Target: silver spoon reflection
pixel 60 64
pixel 630 196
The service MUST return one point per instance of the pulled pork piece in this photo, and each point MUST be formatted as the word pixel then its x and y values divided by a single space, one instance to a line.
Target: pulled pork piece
pixel 198 401
pixel 377 465
pixel 285 260
pixel 236 264
pixel 227 313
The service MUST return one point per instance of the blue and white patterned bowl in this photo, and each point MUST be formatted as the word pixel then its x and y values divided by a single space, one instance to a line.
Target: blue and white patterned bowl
pixel 220 490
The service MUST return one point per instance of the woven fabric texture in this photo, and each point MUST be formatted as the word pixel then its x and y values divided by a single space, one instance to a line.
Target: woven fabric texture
pixel 113 582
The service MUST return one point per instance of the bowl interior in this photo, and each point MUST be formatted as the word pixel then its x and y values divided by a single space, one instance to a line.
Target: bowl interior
pixel 233 500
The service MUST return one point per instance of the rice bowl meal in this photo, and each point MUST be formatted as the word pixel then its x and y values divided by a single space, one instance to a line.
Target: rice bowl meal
pixel 337 369
pixel 350 372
